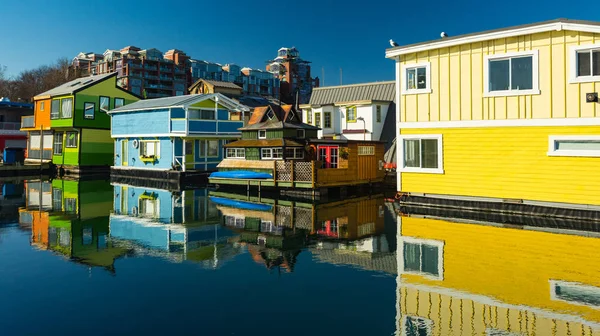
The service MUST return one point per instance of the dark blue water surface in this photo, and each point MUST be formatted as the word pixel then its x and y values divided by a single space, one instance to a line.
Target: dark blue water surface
pixel 77 258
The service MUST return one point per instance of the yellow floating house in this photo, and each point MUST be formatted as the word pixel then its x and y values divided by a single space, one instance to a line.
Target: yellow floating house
pixel 508 115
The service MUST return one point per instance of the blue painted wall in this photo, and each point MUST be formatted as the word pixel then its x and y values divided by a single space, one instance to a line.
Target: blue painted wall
pixel 164 160
pixel 143 122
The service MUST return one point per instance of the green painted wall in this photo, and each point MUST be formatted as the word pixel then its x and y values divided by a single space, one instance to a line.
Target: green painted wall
pixel 252 153
pixel 107 88
pixel 97 148
pixel 94 198
pixel 311 134
pixel 275 134
pixel 249 135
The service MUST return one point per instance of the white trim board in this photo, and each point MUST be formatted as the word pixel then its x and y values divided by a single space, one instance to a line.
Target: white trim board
pixel 501 123
pixel 442 43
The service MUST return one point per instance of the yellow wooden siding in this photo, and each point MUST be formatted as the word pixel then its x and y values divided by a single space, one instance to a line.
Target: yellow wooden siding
pixel 504 265
pixel 509 162
pixel 457 82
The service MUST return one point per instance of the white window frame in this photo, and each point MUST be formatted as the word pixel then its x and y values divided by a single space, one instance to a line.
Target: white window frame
pixel 264 151
pixel 262 137
pixel 535 84
pixel 552 151
pixel 236 152
pixel 438 170
pixel 573 78
pixel 417 241
pixel 406 67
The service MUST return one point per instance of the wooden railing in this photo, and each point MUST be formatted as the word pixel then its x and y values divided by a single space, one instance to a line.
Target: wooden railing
pixel 293 171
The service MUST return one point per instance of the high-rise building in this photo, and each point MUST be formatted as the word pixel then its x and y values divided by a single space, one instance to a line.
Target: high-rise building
pixel 296 84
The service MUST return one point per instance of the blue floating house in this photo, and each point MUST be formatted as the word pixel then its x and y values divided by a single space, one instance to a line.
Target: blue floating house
pixel 174 136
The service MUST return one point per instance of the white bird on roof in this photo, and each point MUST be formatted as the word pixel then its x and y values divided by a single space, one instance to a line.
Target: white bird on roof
pixel 443 35
pixel 393 44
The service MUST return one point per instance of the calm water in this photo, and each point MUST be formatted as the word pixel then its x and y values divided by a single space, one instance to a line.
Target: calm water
pixel 88 257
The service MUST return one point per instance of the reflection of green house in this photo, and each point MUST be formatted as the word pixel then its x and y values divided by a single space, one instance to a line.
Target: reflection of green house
pixel 79 227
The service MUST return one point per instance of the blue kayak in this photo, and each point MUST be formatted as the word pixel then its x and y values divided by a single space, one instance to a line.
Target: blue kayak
pixel 240 204
pixel 241 174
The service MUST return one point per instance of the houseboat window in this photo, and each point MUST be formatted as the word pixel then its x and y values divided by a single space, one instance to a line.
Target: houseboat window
pixel 266 153
pixel 119 102
pixel 586 64
pixel 55 109
pixel 378 113
pixel 301 134
pixel 207 114
pixel 42 106
pixel 66 107
pixel 149 207
pixel 57 199
pixel 149 149
pixel 417 78
pixel 294 153
pixel 213 148
pixel 89 109
pixel 366 150
pixel 351 114
pixel 104 103
pixel 575 293
pixel 270 114
pixel 262 134
pixel 189 147
pixel 327 119
pixel 236 153
pixel 318 119
pixel 513 74
pixel 71 140
pixel 328 155
pixel 277 153
pixel 309 116
pixel 422 153
pixel 58 143
pixel 422 257
pixel 575 145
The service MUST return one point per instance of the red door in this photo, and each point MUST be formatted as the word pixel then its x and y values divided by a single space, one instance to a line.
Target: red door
pixel 329 156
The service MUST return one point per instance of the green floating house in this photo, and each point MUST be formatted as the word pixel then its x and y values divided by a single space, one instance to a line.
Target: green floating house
pixel 79 121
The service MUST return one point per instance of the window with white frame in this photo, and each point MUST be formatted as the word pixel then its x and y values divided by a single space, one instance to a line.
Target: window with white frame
pixel 574 145
pixel 511 74
pixel 66 108
pixel 262 134
pixel 236 153
pixel 277 153
pixel 422 256
pixel 417 78
pixel 149 149
pixel 294 153
pixel 309 116
pixel 421 153
pixel 366 150
pixel 585 63
pixel 266 153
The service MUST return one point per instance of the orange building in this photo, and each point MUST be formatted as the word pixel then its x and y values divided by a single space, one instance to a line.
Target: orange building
pixel 35 125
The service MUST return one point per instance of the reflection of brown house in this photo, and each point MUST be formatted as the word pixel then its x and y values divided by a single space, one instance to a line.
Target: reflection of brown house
pixel 205 86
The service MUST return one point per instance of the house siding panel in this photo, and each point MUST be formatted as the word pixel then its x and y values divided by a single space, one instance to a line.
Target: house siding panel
pixel 509 162
pixel 96 148
pixel 132 123
pixel 133 154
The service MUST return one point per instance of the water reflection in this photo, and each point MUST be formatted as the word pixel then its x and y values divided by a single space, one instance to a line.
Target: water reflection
pixel 11 199
pixel 473 279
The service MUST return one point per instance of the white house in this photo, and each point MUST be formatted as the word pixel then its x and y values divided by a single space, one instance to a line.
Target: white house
pixel 353 112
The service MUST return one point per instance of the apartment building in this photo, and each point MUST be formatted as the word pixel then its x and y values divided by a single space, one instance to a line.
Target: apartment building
pixel 294 74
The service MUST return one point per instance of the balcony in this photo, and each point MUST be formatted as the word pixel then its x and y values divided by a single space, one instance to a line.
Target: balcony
pixel 165 69
pixel 27 122
pixel 166 78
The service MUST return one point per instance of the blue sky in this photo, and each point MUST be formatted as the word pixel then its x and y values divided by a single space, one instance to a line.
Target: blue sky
pixel 351 35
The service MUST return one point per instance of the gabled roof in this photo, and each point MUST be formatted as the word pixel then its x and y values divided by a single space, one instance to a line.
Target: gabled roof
pixel 221 84
pixel 329 95
pixel 264 143
pixel 76 85
pixel 538 27
pixel 283 117
pixel 180 101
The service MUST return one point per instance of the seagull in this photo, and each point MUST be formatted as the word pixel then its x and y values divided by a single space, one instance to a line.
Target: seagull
pixel 394 44
pixel 443 34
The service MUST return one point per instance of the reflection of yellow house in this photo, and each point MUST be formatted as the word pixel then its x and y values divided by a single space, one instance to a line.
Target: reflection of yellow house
pixel 457 278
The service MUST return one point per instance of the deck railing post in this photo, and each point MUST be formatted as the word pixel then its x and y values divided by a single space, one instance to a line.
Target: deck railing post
pixel 292 172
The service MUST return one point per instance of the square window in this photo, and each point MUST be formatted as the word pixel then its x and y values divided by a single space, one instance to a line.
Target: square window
pixel 351 114
pixel 262 134
pixel 511 74
pixel 55 109
pixel 417 78
pixel 421 154
pixel 89 110
pixel 104 104
pixel 213 148
pixel 119 102
pixel 585 64
pixel 207 114
pixel 266 153
pixel 71 140
pixel 149 149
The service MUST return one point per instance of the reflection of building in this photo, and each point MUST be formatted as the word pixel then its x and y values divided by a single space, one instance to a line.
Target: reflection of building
pixel 70 217
pixel 351 232
pixel 12 197
pixel 458 278
pixel 173 225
